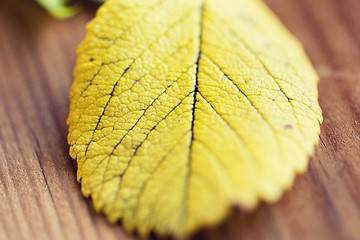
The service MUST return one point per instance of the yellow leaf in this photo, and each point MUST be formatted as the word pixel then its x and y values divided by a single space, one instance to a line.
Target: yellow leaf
pixel 182 108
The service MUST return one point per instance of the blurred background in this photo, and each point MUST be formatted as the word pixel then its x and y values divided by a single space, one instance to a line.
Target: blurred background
pixel 39 195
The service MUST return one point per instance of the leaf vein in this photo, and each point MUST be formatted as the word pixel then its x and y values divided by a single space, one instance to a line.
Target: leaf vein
pixel 178 21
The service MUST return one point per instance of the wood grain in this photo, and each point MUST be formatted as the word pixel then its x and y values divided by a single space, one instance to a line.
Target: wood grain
pixel 39 195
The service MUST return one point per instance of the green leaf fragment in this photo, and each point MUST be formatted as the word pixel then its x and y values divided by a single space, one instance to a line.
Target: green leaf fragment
pixel 60 8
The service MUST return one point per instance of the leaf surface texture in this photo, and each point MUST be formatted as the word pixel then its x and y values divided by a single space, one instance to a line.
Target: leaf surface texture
pixel 182 108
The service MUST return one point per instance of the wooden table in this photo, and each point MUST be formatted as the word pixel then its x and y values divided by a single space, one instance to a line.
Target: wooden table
pixel 39 195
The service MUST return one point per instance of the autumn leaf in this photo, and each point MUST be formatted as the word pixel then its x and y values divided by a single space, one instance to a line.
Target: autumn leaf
pixel 182 109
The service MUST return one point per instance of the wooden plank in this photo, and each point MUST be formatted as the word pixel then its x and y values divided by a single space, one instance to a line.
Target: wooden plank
pixel 39 195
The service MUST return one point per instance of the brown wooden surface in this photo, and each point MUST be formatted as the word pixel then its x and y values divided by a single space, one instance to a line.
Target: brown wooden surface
pixel 39 195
